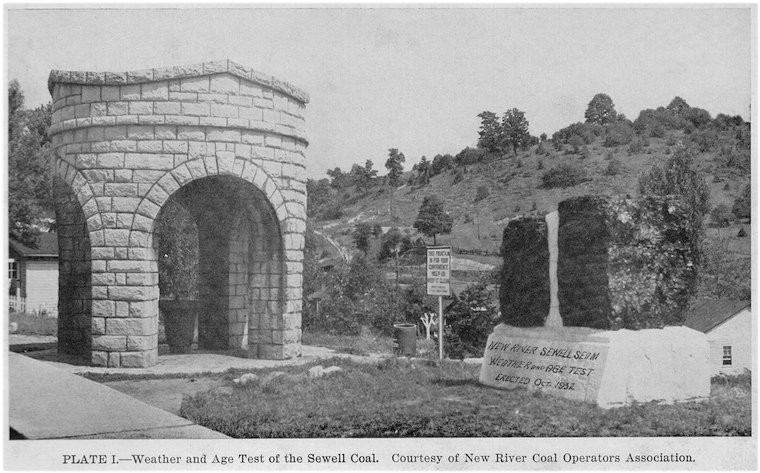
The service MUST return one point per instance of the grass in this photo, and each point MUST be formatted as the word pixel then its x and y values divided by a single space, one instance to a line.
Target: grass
pixel 31 324
pixel 399 398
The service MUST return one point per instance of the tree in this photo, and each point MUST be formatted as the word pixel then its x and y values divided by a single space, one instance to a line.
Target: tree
pixel 514 130
pixel 363 176
pixel 432 219
pixel 490 132
pixel 29 156
pixel 339 179
pixel 742 207
pixel 423 170
pixel 678 106
pixel 395 167
pixel 600 110
pixel 361 234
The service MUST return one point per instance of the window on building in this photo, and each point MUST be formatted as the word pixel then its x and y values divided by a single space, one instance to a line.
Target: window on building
pixel 727 355
pixel 12 270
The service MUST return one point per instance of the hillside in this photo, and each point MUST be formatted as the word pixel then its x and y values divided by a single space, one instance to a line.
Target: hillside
pixel 514 186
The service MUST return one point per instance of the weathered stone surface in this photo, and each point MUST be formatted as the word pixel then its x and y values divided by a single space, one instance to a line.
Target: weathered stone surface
pixel 608 368
pixel 143 136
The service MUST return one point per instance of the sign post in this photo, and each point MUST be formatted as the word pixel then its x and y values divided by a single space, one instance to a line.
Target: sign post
pixel 439 282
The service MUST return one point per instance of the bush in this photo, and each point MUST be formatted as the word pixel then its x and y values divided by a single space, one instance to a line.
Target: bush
pixel 470 156
pixel 618 134
pixel 540 165
pixel 742 207
pixel 636 146
pixel 564 175
pixel 458 177
pixel 581 130
pixel 614 167
pixel 721 215
pixel 471 319
pixel 481 193
pixel 704 140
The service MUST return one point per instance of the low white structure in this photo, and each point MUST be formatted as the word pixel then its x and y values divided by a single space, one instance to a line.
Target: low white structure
pixel 727 324
pixel 33 270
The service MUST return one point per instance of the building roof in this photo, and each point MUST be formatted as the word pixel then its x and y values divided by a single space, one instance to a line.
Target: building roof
pixel 47 246
pixel 706 314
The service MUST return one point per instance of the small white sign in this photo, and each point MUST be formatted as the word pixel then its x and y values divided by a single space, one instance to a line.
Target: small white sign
pixel 439 271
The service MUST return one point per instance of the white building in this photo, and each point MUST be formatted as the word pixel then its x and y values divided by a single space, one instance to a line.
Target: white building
pixel 728 326
pixel 34 272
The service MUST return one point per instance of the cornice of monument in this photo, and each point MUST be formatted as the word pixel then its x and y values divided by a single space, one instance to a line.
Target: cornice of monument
pixel 224 66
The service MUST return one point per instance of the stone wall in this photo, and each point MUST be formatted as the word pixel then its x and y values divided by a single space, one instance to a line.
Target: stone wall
pixel 125 142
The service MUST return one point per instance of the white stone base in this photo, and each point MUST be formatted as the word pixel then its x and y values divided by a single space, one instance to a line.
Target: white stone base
pixel 608 368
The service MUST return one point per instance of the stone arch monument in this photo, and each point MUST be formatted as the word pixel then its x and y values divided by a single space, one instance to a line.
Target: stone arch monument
pixel 216 135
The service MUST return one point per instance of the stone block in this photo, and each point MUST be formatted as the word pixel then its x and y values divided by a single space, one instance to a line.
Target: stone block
pixel 132 293
pixel 140 108
pixel 195 84
pixel 223 135
pixel 114 359
pixel 149 161
pixel 90 93
pixel 99 358
pixel 608 368
pixel 143 309
pixel 132 326
pixel 167 108
pixel 155 91
pixel 225 84
pixel 142 342
pixel 109 342
pixel 130 92
pixel 139 359
pixel 196 109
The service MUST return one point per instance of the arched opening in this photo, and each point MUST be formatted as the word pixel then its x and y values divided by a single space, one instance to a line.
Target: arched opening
pixel 75 296
pixel 223 230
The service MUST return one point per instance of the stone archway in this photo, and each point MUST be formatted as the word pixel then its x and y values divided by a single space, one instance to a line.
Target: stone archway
pixel 240 266
pixel 125 142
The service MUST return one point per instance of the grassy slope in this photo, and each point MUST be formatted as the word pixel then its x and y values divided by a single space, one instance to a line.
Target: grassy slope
pixel 514 184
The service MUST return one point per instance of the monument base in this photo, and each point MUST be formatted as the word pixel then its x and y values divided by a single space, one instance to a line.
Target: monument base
pixel 608 368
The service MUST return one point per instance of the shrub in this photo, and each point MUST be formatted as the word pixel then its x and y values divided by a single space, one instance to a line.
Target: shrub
pixel 636 146
pixel 609 155
pixel 576 142
pixel 618 134
pixel 481 193
pixel 721 215
pixel 704 139
pixel 614 167
pixel 470 156
pixel 458 177
pixel 582 130
pixel 467 218
pixel 742 207
pixel 471 318
pixel 441 163
pixel 331 211
pixel 564 175
pixel 540 164
pixel 543 137
pixel 671 140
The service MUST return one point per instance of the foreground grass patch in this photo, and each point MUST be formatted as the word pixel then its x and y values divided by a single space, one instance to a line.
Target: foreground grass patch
pixel 397 398
pixel 34 324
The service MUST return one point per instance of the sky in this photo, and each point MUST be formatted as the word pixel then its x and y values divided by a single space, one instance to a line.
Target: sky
pixel 413 78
